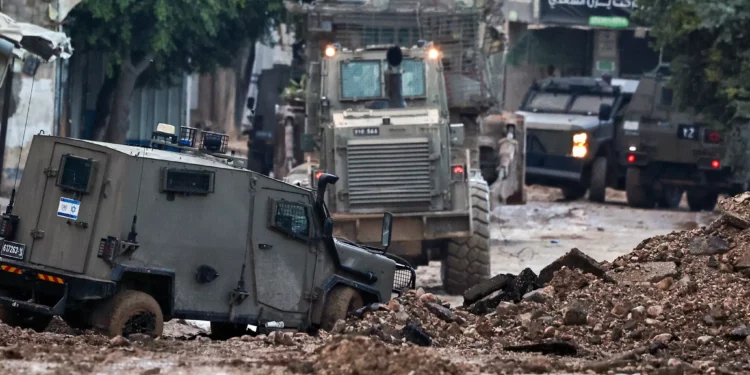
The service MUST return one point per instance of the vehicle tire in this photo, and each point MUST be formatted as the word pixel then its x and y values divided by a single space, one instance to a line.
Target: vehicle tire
pixel 128 312
pixel 670 197
pixel 23 319
pixel 702 200
pixel 573 192
pixel 467 261
pixel 598 184
pixel 639 194
pixel 225 331
pixel 339 302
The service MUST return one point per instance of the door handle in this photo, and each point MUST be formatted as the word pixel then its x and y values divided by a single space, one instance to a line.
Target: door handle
pixel 264 246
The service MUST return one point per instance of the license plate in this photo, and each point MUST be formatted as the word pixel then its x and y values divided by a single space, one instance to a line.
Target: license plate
pixel 367 131
pixel 13 250
pixel 687 132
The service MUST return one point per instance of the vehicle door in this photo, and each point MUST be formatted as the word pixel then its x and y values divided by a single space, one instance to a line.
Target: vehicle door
pixel 69 206
pixel 283 248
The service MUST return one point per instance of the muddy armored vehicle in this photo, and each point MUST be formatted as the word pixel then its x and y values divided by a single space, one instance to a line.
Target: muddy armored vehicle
pixel 123 238
pixel 572 127
pixel 386 133
pixel 669 151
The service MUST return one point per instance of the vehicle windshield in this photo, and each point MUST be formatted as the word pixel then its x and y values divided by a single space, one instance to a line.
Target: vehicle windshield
pixel 589 104
pixel 548 102
pixel 360 79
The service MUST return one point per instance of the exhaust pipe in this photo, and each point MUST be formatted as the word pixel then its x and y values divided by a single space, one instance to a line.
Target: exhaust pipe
pixel 393 78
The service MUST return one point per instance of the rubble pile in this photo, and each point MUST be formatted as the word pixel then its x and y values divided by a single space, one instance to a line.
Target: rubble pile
pixel 677 302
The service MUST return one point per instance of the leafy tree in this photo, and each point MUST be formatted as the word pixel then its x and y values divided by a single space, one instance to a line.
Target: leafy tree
pixel 151 42
pixel 710 45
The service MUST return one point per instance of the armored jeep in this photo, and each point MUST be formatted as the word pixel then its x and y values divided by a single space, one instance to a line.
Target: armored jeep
pixel 385 130
pixel 123 238
pixel 571 132
pixel 668 150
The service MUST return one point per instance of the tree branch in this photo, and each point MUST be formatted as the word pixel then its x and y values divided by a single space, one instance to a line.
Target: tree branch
pixel 144 63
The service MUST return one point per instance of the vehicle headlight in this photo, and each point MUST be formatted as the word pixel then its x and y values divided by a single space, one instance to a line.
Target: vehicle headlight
pixel 580 145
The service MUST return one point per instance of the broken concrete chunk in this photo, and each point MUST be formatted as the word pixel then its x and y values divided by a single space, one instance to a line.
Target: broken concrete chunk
pixel 736 220
pixel 540 295
pixel 441 312
pixel 415 334
pixel 652 272
pixel 708 246
pixel 525 282
pixel 574 259
pixel 484 289
pixel 487 304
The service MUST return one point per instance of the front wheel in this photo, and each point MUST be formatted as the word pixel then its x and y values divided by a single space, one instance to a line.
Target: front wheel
pixel 129 312
pixel 598 184
pixel 340 301
pixel 638 192
pixel 467 261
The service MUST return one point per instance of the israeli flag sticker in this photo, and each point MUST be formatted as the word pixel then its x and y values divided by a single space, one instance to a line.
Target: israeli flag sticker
pixel 68 208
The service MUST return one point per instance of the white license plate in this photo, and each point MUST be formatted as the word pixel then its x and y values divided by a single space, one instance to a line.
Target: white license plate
pixel 13 250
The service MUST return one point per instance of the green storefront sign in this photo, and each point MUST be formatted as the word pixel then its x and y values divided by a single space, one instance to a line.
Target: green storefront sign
pixel 613 22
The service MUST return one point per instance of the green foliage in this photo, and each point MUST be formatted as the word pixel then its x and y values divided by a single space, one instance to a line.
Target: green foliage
pixel 709 41
pixel 295 91
pixel 178 36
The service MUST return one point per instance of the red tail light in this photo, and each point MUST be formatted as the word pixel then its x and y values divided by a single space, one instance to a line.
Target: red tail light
pixel 715 164
pixel 458 172
pixel 631 158
pixel 713 136
pixel 8 227
pixel 318 174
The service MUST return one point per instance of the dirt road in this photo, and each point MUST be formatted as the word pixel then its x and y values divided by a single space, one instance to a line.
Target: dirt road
pixel 535 234
pixel 526 236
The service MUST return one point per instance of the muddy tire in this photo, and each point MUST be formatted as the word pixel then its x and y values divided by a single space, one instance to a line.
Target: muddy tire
pixel 467 261
pixel 225 331
pixel 670 197
pixel 340 301
pixel 573 192
pixel 23 319
pixel 598 184
pixel 129 312
pixel 702 200
pixel 639 193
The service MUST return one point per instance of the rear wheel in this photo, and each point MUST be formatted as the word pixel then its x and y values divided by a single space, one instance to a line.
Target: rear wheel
pixel 637 191
pixel 598 185
pixel 573 192
pixel 129 312
pixel 21 318
pixel 670 197
pixel 340 301
pixel 702 200
pixel 467 261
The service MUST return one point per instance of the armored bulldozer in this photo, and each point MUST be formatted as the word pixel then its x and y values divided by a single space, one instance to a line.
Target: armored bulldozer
pixel 123 238
pixel 386 133
pixel 669 150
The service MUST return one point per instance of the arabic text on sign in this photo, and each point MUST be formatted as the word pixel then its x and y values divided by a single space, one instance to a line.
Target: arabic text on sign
pixel 596 3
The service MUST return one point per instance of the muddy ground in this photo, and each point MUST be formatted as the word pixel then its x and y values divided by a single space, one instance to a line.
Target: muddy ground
pixel 526 236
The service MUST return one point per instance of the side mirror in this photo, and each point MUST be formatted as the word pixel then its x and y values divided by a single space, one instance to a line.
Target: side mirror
pixel 307 143
pixel 328 228
pixel 605 112
pixel 457 134
pixel 385 240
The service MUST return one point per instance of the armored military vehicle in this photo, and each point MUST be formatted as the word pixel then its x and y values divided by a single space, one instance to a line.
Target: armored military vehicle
pixel 571 126
pixel 669 150
pixel 123 238
pixel 385 132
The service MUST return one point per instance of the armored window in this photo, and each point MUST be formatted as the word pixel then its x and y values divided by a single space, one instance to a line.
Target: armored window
pixel 290 218
pixel 75 173
pixel 666 97
pixel 187 181
pixel 360 80
pixel 413 78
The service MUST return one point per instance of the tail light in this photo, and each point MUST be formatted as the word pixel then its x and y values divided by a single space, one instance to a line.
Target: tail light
pixel 715 164
pixel 458 172
pixel 631 158
pixel 8 227
pixel 712 136
pixel 318 174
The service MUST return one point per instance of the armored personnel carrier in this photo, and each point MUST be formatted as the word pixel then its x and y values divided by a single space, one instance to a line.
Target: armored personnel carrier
pixel 123 238
pixel 572 128
pixel 669 151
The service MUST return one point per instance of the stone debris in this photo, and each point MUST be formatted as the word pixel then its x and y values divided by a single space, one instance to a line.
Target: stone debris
pixel 575 260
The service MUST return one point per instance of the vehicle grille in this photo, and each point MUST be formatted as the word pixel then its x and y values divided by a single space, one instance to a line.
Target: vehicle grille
pixel 383 172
